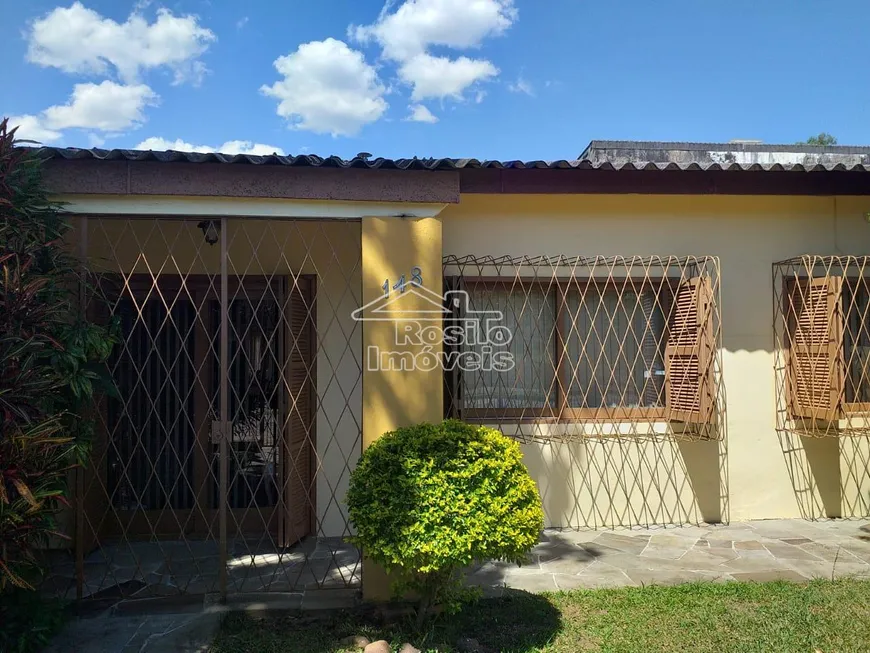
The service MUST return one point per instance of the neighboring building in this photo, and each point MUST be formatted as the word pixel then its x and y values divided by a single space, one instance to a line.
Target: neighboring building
pixel 751 155
pixel 690 333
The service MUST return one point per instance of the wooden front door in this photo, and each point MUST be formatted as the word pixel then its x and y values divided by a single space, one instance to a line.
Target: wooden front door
pixel 299 435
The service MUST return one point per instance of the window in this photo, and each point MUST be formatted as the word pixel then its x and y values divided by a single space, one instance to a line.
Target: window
pixel 828 346
pixel 588 349
pixel 529 312
pixel 615 347
pixel 856 341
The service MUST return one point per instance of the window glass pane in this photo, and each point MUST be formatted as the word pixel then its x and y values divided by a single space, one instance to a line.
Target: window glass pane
pixel 152 421
pixel 529 313
pixel 615 349
pixel 856 299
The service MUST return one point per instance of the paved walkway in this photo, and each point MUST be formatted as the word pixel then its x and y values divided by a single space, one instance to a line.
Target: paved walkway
pixel 172 568
pixel 760 550
pixel 765 550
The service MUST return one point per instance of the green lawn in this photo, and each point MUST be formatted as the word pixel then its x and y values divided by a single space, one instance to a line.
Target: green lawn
pixel 821 615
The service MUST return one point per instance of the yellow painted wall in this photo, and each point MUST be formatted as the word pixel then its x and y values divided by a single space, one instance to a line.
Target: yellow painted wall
pixel 332 251
pixel 752 475
pixel 391 247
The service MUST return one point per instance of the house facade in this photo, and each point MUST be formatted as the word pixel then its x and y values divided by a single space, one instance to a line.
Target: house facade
pixel 675 332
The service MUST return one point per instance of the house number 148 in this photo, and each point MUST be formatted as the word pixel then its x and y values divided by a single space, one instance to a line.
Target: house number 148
pixel 401 284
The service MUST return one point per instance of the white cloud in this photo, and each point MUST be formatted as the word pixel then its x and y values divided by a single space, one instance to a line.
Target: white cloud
pixel 31 128
pixel 230 147
pixel 241 22
pixel 158 143
pixel 417 24
pixel 439 77
pixel 247 147
pixel 419 113
pixel 522 85
pixel 95 140
pixel 407 33
pixel 327 88
pixel 193 72
pixel 76 39
pixel 107 107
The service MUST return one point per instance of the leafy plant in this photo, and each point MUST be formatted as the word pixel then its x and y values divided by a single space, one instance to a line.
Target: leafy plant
pixel 431 499
pixel 29 621
pixel 50 363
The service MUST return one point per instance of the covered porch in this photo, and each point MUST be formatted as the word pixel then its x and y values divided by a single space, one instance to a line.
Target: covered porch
pixel 223 449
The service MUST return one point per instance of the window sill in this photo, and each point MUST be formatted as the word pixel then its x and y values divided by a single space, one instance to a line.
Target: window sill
pixel 852 422
pixel 568 415
pixel 507 419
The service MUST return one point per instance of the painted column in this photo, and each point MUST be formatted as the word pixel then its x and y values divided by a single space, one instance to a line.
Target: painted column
pixel 391 248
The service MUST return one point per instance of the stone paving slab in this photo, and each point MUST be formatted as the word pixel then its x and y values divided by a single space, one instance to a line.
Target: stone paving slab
pixel 776 549
pixel 165 568
pixel 602 574
pixel 768 576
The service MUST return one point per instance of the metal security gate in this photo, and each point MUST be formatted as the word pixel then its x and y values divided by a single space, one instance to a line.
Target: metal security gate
pixel 221 457
pixel 162 471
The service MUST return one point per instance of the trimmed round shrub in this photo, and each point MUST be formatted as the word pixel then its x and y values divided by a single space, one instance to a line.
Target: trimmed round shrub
pixel 430 499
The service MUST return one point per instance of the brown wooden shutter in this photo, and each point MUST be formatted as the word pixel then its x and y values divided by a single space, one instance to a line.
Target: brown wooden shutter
pixel 689 354
pixel 452 374
pixel 299 458
pixel 815 377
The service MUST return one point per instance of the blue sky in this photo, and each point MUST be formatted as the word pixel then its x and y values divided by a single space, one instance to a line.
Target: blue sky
pixel 504 79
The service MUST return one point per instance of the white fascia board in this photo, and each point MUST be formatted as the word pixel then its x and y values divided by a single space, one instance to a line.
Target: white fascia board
pixel 192 207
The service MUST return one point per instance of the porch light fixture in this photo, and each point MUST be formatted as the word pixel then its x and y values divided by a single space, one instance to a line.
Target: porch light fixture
pixel 211 230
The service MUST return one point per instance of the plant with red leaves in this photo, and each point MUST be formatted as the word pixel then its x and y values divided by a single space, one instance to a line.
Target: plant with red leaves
pixel 51 362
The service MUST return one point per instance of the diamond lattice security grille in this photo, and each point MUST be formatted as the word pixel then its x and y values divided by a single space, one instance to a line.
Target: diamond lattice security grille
pixel 617 368
pixel 821 308
pixel 221 463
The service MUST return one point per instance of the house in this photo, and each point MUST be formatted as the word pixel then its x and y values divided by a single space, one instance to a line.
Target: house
pixel 684 338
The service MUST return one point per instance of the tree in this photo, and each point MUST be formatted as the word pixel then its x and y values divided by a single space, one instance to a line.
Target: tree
pixel 823 139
